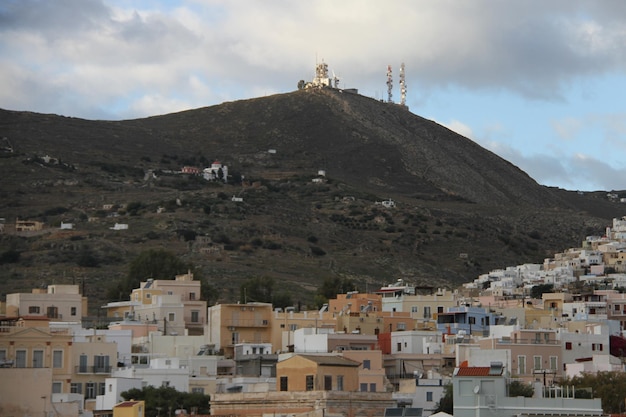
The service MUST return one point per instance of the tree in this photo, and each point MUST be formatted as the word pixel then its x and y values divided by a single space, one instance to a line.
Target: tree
pixel 520 389
pixel 257 289
pixel 163 398
pixel 446 403
pixel 153 263
pixel 608 386
pixel 538 290
pixel 331 287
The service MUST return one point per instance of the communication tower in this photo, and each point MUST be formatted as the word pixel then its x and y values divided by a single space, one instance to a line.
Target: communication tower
pixel 402 86
pixel 389 85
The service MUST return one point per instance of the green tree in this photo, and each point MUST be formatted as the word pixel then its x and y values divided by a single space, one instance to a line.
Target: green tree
pixel 258 289
pixel 163 398
pixel 331 286
pixel 446 403
pixel 538 290
pixel 520 389
pixel 153 263
pixel 608 386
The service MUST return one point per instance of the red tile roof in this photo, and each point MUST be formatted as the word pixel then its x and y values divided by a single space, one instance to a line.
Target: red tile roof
pixel 473 371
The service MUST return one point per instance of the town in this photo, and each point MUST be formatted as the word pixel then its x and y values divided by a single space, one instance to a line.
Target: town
pixel 501 345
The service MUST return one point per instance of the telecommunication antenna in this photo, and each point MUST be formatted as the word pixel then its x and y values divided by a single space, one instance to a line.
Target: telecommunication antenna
pixel 389 84
pixel 402 86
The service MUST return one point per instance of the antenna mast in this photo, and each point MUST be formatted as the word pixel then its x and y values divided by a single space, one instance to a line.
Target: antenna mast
pixel 389 84
pixel 402 86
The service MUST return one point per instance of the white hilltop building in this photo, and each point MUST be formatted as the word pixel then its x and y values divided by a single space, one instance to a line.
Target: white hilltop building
pixel 212 173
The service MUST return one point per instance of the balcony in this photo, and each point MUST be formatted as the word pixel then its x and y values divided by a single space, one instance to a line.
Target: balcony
pixel 93 369
pixel 247 323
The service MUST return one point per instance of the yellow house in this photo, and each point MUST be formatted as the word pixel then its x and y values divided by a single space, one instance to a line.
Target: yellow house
pixel 229 324
pixel 35 363
pixel 129 409
pixel 317 373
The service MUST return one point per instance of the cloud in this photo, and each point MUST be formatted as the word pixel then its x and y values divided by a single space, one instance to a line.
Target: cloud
pixel 567 128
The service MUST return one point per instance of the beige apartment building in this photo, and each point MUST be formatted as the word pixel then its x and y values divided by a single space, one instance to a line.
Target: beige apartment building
pixel 285 323
pixel 230 324
pixel 174 305
pixel 535 354
pixel 302 372
pixel 35 362
pixel 56 302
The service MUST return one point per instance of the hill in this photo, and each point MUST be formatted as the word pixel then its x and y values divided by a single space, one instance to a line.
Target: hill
pixel 460 210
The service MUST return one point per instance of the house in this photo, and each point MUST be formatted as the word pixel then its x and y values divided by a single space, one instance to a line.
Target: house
pixel 473 320
pixel 174 305
pixel 317 373
pixel 58 302
pixel 28 226
pixel 230 324
pixel 119 226
pixel 482 391
pixel 130 409
pixel 533 353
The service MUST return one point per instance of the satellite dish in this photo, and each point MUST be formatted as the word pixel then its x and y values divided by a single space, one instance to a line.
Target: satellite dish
pixel 476 389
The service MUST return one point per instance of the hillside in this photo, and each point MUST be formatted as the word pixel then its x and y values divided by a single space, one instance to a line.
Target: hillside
pixel 460 210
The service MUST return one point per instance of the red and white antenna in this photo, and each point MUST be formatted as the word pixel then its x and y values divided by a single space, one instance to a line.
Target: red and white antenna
pixel 402 86
pixel 389 85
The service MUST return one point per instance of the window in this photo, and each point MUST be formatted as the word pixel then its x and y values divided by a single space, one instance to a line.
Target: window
pixel 148 295
pixel 568 345
pixel 339 382
pixel 165 384
pixel 399 347
pixel 37 358
pixel 553 362
pixel 57 387
pixel 521 365
pixel 283 383
pixel 20 358
pixel 3 354
pixel 33 310
pixel 328 382
pixel 372 387
pixel 309 382
pixel 536 363
pixel 366 364
pixel 171 317
pixel 53 312
pixel 82 363
pixel 235 338
pixel 90 390
pixel 195 316
pixel 101 364
pixel 429 396
pixel 401 326
pixel 101 388
pixel 414 309
pixel 57 359
pixel 596 346
pixel 471 320
pixel 197 390
pixel 293 327
pixel 73 311
pixel 76 388
pixel 192 296
pixel 363 387
pixel 427 312
pixel 439 309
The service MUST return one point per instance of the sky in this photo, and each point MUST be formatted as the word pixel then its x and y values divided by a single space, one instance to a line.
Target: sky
pixel 539 83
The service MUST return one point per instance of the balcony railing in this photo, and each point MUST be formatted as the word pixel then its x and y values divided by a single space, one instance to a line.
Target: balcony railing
pixel 248 323
pixel 93 369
